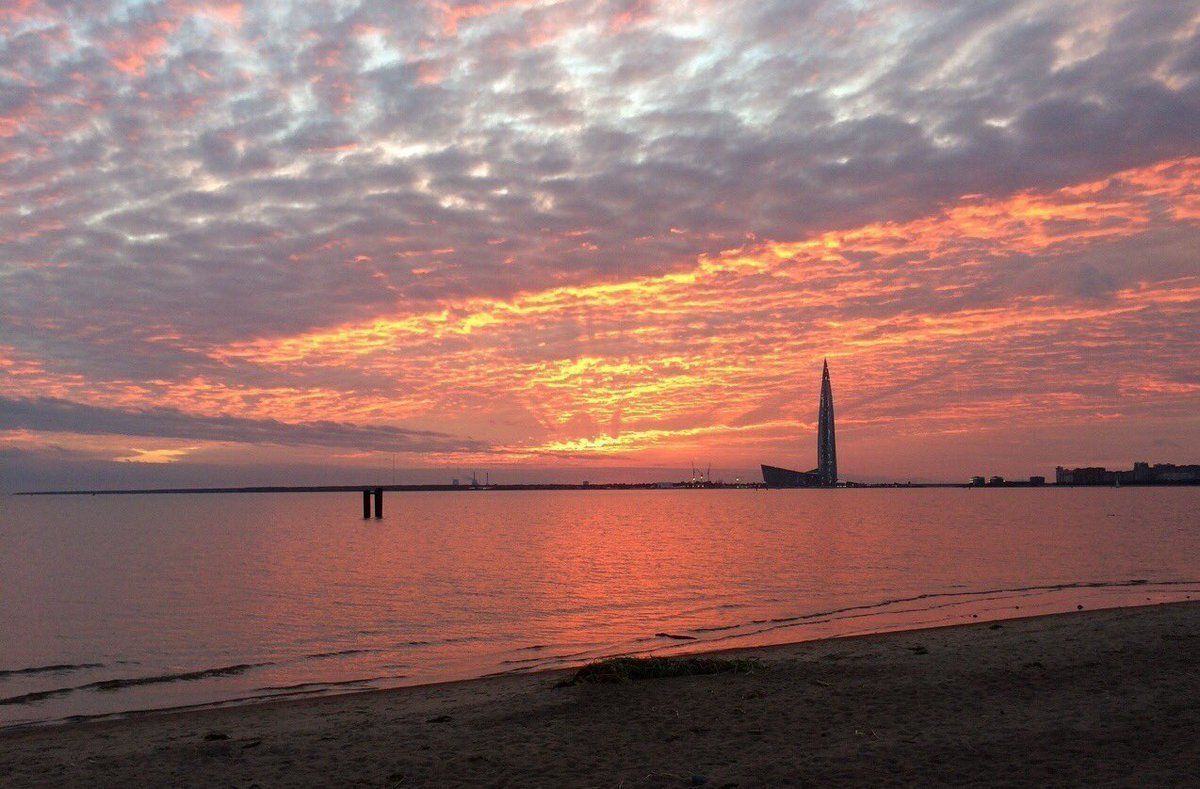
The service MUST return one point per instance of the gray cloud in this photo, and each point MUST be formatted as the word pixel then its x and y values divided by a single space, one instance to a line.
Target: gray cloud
pixel 56 415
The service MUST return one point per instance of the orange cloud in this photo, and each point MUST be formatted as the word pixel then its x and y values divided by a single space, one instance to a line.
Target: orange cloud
pixel 453 15
pixel 429 72
pixel 228 12
pixel 145 43
pixel 156 456
pixel 669 369
pixel 719 356
pixel 17 10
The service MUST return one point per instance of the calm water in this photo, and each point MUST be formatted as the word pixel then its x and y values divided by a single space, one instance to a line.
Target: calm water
pixel 111 604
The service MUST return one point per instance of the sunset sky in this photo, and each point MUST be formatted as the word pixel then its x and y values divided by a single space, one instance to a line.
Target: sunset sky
pixel 568 239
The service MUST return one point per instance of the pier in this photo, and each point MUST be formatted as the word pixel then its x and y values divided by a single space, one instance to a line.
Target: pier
pixel 372 495
pixel 377 495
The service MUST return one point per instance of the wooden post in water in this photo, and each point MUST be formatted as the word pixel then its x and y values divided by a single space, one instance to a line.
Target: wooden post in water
pixel 366 503
pixel 378 502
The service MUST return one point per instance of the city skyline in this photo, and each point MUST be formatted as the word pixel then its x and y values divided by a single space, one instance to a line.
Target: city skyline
pixel 560 240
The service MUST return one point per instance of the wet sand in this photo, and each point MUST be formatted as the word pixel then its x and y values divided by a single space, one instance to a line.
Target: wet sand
pixel 1106 697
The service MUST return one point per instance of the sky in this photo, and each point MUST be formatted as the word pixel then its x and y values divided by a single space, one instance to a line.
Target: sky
pixel 570 239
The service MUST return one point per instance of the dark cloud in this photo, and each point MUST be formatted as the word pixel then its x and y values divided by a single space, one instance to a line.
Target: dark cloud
pixel 56 415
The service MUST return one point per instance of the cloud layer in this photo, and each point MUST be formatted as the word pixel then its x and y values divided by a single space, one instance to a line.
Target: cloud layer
pixel 48 414
pixel 603 229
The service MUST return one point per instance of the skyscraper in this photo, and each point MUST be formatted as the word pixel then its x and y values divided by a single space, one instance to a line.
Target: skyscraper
pixel 825 475
pixel 826 442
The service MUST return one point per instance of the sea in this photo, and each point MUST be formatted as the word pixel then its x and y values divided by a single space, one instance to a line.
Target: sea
pixel 118 604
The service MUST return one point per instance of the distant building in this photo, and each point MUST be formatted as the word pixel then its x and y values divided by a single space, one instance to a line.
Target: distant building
pixel 1169 472
pixel 775 477
pixel 998 481
pixel 1091 475
pixel 825 475
pixel 826 440
pixel 1142 473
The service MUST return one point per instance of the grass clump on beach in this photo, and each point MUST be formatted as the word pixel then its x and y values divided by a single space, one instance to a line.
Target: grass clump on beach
pixel 629 669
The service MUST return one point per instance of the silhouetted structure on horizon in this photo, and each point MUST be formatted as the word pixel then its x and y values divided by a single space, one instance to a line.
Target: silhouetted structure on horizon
pixel 826 440
pixel 825 475
pixel 997 481
pixel 1141 474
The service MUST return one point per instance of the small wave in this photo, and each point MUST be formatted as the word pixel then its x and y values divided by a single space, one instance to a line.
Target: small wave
pixel 339 653
pixel 437 642
pixel 715 628
pixel 548 659
pixel 130 682
pixel 133 713
pixel 54 669
pixel 330 684
pixel 660 636
pixel 508 672
pixel 937 595
pixel 944 600
pixel 26 698
pixel 186 676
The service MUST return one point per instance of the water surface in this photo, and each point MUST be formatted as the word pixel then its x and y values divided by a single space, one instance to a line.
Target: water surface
pixel 117 603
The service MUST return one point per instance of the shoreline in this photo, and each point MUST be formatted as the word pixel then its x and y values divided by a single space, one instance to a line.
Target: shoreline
pixel 677 649
pixel 1107 661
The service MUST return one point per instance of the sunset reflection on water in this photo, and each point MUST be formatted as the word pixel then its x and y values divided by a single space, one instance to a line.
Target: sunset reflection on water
pixel 297 590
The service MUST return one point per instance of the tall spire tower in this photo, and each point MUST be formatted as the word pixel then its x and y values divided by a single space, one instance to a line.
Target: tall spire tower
pixel 825 474
pixel 826 442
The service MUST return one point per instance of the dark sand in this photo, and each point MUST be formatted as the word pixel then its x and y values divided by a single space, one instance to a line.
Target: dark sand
pixel 1106 697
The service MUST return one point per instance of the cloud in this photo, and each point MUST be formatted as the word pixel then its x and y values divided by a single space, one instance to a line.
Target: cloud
pixel 63 416
pixel 156 455
pixel 191 193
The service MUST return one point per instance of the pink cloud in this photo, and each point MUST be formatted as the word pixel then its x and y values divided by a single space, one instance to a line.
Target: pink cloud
pixel 144 45
pixel 633 13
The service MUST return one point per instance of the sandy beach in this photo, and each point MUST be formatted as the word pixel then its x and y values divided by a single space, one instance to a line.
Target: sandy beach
pixel 1091 697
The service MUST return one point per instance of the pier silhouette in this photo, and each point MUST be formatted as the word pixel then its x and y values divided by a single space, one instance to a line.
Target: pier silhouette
pixel 372 495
